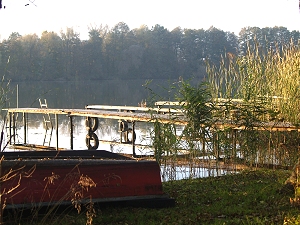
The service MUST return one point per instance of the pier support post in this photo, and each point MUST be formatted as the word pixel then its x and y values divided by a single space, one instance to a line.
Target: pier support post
pixel 71 132
pixel 14 127
pixel 133 142
pixel 10 121
pixel 56 129
pixel 25 127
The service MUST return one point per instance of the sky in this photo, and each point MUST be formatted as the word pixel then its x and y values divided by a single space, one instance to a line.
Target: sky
pixel 227 15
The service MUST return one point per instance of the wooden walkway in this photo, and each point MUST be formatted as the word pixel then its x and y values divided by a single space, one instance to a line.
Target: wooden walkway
pixel 121 113
pixel 149 116
pixel 144 114
pixel 162 113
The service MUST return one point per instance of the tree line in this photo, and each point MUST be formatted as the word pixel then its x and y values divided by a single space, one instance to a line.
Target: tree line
pixel 123 53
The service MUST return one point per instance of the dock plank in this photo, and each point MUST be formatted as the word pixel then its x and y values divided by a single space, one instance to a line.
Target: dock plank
pixel 152 117
pixel 131 116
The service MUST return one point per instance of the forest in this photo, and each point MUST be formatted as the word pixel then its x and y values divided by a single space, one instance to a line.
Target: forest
pixel 123 53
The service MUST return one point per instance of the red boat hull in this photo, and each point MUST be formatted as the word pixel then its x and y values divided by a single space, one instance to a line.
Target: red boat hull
pixel 34 182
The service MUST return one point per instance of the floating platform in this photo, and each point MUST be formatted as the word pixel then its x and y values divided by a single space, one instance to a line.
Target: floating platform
pixel 34 179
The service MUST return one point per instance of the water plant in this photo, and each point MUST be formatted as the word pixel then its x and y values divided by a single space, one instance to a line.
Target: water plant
pixel 231 115
pixel 259 88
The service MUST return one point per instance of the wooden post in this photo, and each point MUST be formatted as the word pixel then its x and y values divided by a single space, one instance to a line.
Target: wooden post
pixel 203 144
pixel 270 161
pixel 234 142
pixel 56 127
pixel 14 127
pixel 121 132
pixel 10 120
pixel 71 132
pixel 216 149
pixel 25 127
pixel 133 137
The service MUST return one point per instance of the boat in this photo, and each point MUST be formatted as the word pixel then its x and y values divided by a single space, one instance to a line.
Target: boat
pixel 33 179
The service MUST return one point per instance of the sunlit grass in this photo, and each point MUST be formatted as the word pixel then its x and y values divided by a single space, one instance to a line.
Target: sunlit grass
pixel 251 197
pixel 268 78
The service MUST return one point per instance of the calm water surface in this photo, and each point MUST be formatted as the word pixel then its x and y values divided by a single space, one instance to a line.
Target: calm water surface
pixel 77 95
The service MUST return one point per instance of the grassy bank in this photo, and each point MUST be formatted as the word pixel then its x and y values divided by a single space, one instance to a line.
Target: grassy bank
pixel 252 197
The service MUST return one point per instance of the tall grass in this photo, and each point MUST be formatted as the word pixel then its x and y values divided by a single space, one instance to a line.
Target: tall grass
pixel 266 83
pixel 231 115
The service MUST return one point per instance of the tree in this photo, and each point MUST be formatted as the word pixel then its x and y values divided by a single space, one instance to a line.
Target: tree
pixel 193 52
pixel 176 38
pixel 267 38
pixel 31 60
pixel 160 55
pixel 70 53
pixel 217 44
pixel 247 38
pixel 115 42
pixel 12 52
pixel 51 54
pixel 93 57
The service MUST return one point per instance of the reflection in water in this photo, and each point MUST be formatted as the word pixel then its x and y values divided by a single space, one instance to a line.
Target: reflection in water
pixel 180 172
pixel 66 94
pixel 108 130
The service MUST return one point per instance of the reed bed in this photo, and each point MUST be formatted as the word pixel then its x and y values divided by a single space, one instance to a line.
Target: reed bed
pixel 252 91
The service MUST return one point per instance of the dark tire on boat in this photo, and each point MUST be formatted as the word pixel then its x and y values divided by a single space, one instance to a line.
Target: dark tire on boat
pixel 123 126
pixel 127 135
pixel 92 123
pixel 92 141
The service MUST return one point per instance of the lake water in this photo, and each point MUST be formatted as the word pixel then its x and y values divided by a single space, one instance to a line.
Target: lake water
pixel 107 131
pixel 77 95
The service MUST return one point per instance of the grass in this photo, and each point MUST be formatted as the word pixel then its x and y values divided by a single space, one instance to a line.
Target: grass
pixel 251 197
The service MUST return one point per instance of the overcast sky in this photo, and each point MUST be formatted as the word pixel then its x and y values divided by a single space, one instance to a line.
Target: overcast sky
pixel 228 15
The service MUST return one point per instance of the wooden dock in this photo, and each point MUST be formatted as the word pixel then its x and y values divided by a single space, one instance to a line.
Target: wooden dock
pixel 162 112
pixel 121 113
pixel 149 116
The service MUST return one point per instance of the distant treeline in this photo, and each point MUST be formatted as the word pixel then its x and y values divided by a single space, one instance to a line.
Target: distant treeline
pixel 121 53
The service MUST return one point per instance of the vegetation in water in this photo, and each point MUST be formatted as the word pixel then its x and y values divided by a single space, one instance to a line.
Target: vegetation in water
pixel 232 115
